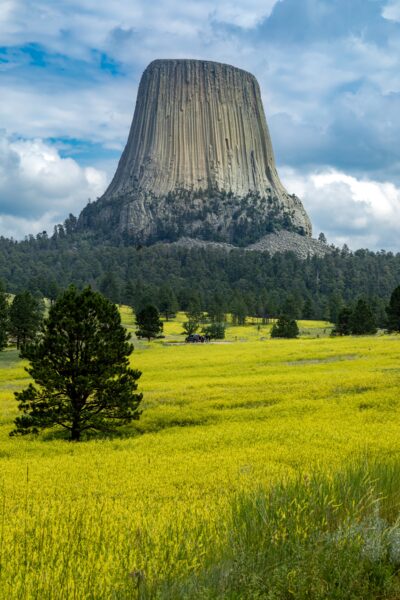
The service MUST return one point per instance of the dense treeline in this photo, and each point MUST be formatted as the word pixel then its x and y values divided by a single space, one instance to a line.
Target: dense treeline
pixel 240 282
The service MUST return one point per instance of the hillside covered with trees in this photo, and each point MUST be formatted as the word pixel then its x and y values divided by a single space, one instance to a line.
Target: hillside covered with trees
pixel 236 281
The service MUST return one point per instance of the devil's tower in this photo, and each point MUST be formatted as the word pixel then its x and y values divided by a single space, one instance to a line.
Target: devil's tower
pixel 198 162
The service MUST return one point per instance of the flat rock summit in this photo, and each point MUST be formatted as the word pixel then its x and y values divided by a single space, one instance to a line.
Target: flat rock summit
pixel 198 164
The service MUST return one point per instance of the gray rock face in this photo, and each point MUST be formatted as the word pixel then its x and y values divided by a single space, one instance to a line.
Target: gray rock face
pixel 273 243
pixel 288 241
pixel 198 161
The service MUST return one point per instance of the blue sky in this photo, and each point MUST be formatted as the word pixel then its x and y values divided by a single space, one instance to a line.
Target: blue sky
pixel 329 72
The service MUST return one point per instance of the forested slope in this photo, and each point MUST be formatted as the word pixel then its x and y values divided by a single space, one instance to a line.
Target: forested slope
pixel 312 288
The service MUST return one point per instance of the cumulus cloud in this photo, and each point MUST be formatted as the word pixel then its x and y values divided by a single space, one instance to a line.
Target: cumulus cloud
pixel 39 188
pixel 246 15
pixel 61 111
pixel 89 23
pixel 330 76
pixel 392 11
pixel 361 213
pixel 322 89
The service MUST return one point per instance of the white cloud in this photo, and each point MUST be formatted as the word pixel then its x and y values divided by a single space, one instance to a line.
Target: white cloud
pixel 332 95
pixel 89 23
pixel 39 188
pixel 392 11
pixel 359 212
pixel 103 114
pixel 6 10
pixel 19 227
pixel 54 102
pixel 246 15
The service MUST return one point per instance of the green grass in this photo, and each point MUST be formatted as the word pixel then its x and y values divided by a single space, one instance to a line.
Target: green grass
pixel 316 536
pixel 260 469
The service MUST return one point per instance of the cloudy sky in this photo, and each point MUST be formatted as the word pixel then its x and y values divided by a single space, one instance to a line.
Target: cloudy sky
pixel 329 72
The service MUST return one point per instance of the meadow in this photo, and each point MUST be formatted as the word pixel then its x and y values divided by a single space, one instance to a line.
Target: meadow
pixel 259 469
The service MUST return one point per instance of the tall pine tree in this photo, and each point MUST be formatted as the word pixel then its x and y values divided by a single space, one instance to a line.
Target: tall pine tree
pixel 167 302
pixel 362 320
pixel 148 323
pixel 26 313
pixel 343 322
pixel 81 367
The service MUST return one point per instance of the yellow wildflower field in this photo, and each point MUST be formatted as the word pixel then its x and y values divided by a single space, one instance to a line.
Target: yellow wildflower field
pixel 91 519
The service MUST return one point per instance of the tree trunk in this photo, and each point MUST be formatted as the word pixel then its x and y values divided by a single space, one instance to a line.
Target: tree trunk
pixel 75 435
pixel 75 430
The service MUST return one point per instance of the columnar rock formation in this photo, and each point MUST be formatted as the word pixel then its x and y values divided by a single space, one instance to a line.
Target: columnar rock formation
pixel 198 161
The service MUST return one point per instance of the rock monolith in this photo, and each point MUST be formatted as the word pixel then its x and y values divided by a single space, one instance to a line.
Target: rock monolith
pixel 198 162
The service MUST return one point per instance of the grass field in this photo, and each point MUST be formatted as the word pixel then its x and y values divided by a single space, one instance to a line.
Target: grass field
pixel 256 464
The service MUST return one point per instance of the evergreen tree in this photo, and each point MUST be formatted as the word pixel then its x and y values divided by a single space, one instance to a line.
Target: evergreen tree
pixel 308 309
pixel 3 317
pixel 285 327
pixel 109 287
pixel 215 309
pixel 274 301
pixel 52 290
pixel 335 306
pixel 130 293
pixel 70 224
pixel 26 313
pixel 291 307
pixel 362 320
pixel 250 301
pixel 239 311
pixel 343 322
pixel 379 306
pixel 81 367
pixel 188 298
pixel 167 302
pixel 393 311
pixel 324 309
pixel 144 296
pixel 148 323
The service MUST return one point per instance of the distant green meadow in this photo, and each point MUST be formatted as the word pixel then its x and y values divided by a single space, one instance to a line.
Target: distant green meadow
pixel 259 468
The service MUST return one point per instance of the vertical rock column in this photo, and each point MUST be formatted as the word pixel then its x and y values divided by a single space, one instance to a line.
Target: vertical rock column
pixel 200 125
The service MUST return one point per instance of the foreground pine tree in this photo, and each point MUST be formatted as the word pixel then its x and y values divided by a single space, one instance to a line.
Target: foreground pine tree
pixel 80 365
